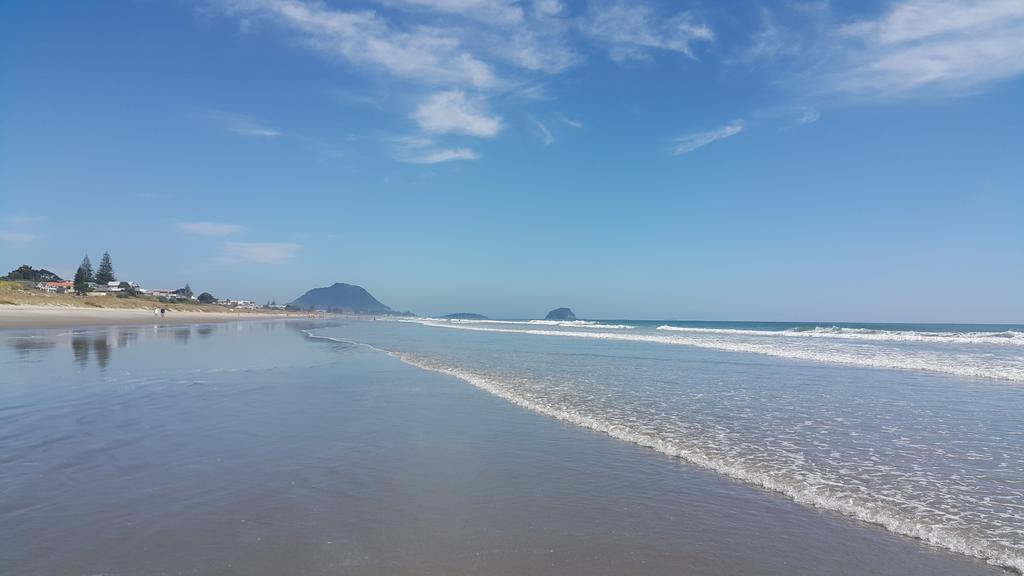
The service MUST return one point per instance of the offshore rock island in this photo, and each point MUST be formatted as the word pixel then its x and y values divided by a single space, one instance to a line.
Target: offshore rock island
pixel 561 314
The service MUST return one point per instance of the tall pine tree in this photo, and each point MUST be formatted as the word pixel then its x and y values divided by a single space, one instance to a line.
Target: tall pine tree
pixel 86 267
pixel 83 276
pixel 105 273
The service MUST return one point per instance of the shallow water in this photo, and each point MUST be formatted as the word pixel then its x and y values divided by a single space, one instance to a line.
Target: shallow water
pixel 876 422
pixel 253 449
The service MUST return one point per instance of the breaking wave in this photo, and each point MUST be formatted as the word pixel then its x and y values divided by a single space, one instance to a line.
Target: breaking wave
pixel 895 515
pixel 1011 337
pixel 558 323
pixel 863 354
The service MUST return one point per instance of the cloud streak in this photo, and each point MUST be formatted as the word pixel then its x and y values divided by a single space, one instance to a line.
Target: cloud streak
pixel 545 134
pixel 930 47
pixel 13 237
pixel 690 142
pixel 258 252
pixel 633 29
pixel 424 54
pixel 216 229
pixel 420 150
pixel 442 155
pixel 242 125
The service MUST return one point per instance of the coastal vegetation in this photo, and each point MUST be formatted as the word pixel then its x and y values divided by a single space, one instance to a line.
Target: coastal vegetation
pixel 27 273
pixel 105 273
pixel 26 285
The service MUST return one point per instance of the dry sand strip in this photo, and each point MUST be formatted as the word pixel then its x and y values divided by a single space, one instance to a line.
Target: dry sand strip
pixel 23 316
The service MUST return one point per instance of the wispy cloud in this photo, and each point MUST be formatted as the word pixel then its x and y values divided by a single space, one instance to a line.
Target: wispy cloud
pixel 545 134
pixel 452 112
pixel 241 125
pixel 770 42
pixel 12 231
pixel 634 28
pixel 458 58
pixel 218 229
pixel 442 155
pixel 690 142
pixel 421 150
pixel 786 117
pixel 568 121
pixel 807 116
pixel 13 237
pixel 425 54
pixel 930 47
pixel 258 252
pixel 499 11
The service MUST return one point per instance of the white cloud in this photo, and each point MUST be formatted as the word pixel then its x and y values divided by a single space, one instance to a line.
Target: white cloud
pixel 13 237
pixel 209 228
pixel 807 116
pixel 548 7
pixel 241 125
pixel 422 53
pixel 538 47
pixel 690 142
pixel 769 43
pixel 420 150
pixel 545 134
pixel 785 117
pixel 258 252
pixel 569 121
pixel 930 47
pixel 633 28
pixel 492 11
pixel 452 113
pixel 442 155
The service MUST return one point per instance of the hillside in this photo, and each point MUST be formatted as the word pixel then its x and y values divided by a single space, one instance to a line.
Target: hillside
pixel 342 297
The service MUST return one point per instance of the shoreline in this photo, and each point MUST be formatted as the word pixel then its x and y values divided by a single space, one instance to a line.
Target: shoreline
pixel 39 316
pixel 378 467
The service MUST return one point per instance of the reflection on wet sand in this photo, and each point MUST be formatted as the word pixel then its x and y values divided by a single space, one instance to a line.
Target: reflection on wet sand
pixel 80 348
pixel 183 334
pixel 29 348
pixel 98 344
pixel 101 347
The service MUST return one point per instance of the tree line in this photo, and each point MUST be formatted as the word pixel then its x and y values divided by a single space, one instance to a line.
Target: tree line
pixel 84 275
pixel 104 275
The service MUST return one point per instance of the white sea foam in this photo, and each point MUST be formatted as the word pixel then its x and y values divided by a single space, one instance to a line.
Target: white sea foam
pixel 863 355
pixel 886 505
pixel 557 323
pixel 824 495
pixel 1010 337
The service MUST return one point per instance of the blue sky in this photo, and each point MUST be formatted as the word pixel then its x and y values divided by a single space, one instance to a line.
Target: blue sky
pixel 856 161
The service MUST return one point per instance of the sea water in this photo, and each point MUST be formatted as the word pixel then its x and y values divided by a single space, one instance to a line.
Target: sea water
pixel 916 428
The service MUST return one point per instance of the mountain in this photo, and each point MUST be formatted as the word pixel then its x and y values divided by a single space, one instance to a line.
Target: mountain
pixel 465 316
pixel 342 298
pixel 560 314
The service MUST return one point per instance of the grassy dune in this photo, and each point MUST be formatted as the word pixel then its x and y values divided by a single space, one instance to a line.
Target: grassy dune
pixel 15 293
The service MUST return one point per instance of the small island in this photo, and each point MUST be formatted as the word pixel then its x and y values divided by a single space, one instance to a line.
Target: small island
pixel 561 314
pixel 465 316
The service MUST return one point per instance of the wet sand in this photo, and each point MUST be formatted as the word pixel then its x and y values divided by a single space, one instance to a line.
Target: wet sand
pixel 250 449
pixel 29 316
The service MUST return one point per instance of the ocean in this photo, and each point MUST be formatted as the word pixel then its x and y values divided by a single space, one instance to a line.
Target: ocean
pixel 918 428
pixel 428 446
